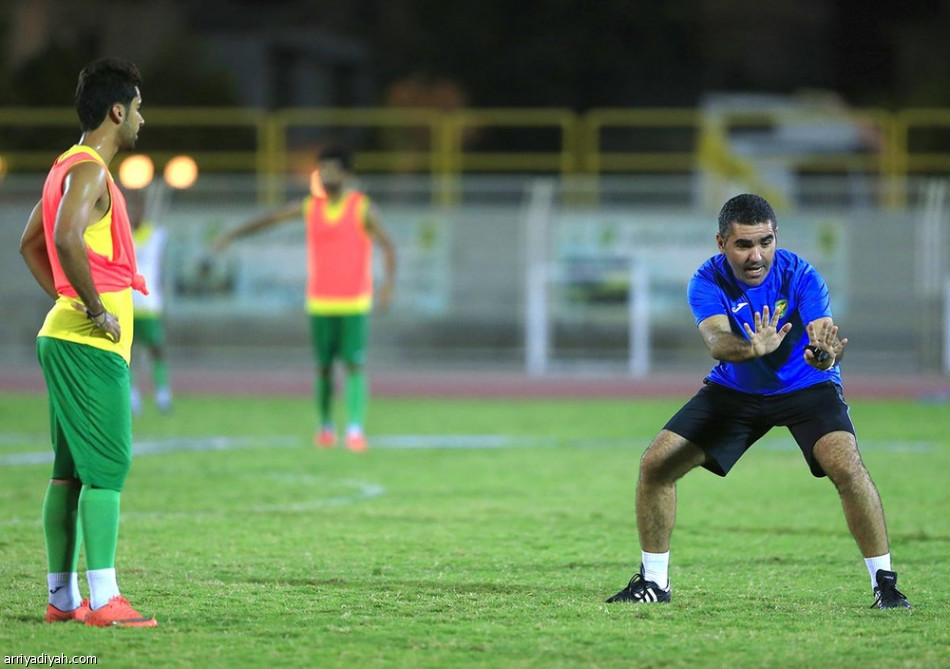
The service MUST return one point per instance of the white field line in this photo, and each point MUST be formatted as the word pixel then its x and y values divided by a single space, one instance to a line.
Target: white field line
pixel 411 442
pixel 364 490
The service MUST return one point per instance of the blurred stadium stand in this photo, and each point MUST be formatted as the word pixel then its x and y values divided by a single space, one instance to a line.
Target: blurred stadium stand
pixel 622 186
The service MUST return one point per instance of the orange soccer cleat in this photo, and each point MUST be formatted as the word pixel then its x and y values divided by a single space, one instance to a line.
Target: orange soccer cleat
pixel 356 442
pixel 325 438
pixel 118 613
pixel 54 615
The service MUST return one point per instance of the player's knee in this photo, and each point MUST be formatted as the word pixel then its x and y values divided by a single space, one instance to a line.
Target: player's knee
pixel 851 475
pixel 650 462
pixel 847 472
pixel 69 482
pixel 669 458
pixel 840 459
pixel 112 480
pixel 656 465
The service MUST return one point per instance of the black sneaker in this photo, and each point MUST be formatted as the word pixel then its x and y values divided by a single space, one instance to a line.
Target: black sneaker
pixel 886 594
pixel 641 590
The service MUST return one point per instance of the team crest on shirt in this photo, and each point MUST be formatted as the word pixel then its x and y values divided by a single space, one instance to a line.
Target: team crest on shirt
pixel 780 307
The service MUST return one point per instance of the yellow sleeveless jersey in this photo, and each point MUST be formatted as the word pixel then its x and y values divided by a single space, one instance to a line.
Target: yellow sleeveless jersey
pixel 66 322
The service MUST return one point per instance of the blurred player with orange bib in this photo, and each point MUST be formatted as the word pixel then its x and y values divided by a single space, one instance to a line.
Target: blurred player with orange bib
pixel 341 227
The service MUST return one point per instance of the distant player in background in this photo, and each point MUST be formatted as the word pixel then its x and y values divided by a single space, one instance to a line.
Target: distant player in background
pixel 341 227
pixel 149 242
pixel 78 246
pixel 764 313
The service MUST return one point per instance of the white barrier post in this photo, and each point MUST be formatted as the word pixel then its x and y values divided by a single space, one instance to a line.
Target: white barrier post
pixel 537 335
pixel 946 326
pixel 638 302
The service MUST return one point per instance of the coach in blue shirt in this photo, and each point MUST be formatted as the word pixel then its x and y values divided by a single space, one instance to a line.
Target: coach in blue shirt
pixel 765 316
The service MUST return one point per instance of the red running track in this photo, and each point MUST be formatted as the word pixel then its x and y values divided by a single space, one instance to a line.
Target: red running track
pixel 485 383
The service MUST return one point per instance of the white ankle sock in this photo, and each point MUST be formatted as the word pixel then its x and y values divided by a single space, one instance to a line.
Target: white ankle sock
pixel 64 590
pixel 875 563
pixel 656 567
pixel 102 587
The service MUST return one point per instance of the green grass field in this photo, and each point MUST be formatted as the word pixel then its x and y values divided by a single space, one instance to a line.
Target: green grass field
pixel 482 534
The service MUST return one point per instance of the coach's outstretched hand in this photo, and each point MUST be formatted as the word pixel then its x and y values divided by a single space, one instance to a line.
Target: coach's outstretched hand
pixel 824 348
pixel 767 336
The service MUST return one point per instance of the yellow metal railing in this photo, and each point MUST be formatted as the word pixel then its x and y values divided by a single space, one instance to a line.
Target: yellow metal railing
pixel 458 127
pixel 460 123
pixel 874 152
pixel 39 159
pixel 444 144
pixel 259 160
pixel 408 142
pixel 910 121
pixel 597 159
pixel 19 118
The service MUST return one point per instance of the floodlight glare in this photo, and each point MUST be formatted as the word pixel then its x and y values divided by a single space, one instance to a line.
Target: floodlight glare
pixel 181 172
pixel 136 171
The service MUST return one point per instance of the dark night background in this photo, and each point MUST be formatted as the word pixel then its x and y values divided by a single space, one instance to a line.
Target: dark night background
pixel 482 53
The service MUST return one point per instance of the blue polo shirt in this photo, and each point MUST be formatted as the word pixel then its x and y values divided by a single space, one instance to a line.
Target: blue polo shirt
pixel 793 287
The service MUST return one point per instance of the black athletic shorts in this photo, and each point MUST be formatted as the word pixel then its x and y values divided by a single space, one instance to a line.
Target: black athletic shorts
pixel 725 422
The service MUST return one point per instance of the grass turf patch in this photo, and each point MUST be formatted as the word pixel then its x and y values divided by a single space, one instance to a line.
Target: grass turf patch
pixel 482 534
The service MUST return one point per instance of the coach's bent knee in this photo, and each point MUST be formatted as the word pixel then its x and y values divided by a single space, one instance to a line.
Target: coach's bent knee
pixel 669 457
pixel 838 455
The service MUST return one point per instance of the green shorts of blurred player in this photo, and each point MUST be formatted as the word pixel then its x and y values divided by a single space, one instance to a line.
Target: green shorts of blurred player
pixel 150 336
pixel 341 338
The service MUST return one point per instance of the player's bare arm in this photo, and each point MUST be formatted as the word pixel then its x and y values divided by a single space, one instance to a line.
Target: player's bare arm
pixel 33 250
pixel 282 215
pixel 85 200
pixel 724 345
pixel 376 230
pixel 825 348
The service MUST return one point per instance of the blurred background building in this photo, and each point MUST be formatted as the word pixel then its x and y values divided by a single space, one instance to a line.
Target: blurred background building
pixel 551 169
pixel 611 53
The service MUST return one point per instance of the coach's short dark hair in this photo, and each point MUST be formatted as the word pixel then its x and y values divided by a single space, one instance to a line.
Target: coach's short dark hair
pixel 746 209
pixel 337 152
pixel 102 83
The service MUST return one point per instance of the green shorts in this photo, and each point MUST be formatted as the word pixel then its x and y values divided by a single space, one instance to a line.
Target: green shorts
pixel 149 330
pixel 89 410
pixel 341 337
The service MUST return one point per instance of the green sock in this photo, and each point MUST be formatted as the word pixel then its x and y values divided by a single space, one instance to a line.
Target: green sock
pixel 356 397
pixel 99 514
pixel 61 527
pixel 325 398
pixel 160 374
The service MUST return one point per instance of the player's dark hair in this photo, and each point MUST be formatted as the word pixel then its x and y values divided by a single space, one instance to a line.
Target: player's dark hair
pixel 337 152
pixel 102 83
pixel 746 209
